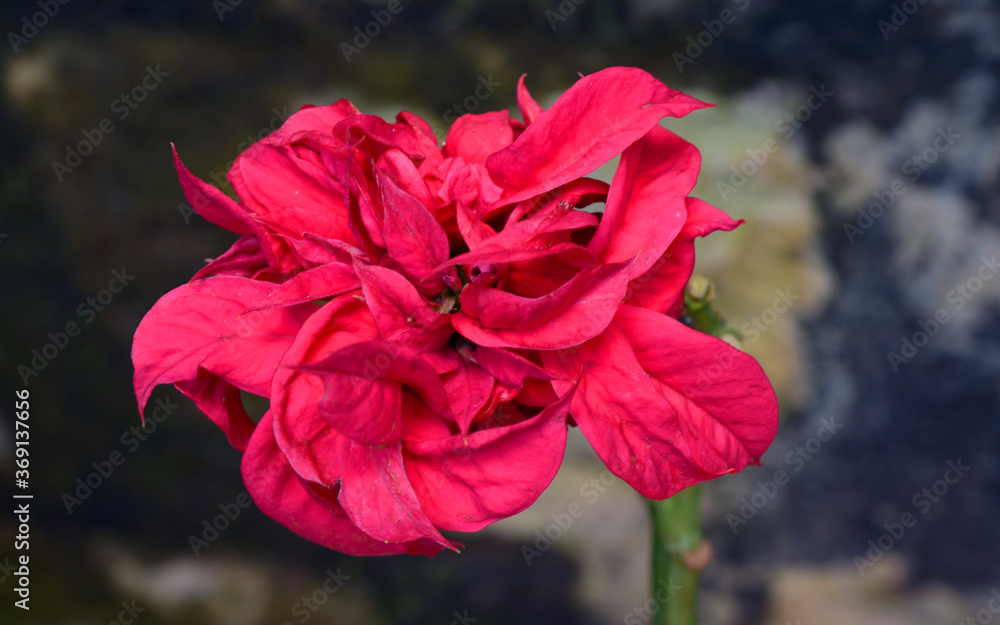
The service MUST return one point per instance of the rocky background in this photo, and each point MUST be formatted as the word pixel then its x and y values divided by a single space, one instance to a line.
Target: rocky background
pixel 859 139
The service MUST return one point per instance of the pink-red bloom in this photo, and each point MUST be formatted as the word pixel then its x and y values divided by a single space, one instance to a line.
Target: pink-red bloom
pixel 427 321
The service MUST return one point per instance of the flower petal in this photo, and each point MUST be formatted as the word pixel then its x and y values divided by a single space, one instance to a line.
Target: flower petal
pixel 377 496
pixel 721 393
pixel 205 326
pixel 573 313
pixel 529 108
pixel 475 137
pixel 646 203
pixel 304 437
pixel 363 390
pixel 212 204
pixel 470 390
pixel 312 118
pixel 662 287
pixel 413 237
pixel 280 494
pixel 662 421
pixel 596 119
pixel 401 313
pixel 464 483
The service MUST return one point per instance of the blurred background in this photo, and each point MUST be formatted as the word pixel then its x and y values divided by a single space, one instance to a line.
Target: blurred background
pixel 859 139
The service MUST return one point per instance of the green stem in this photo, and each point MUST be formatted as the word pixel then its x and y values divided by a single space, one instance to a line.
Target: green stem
pixel 680 552
pixel 677 545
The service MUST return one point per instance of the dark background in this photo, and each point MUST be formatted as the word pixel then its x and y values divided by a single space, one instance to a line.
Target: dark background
pixel 232 71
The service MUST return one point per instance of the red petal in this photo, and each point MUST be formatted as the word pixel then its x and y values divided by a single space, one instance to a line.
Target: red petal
pixel 427 141
pixel 632 427
pixel 662 287
pixel 413 237
pixel 646 207
pixel 476 137
pixel 304 194
pixel 529 108
pixel 469 391
pixel 573 313
pixel 323 282
pixel 379 499
pixel 220 401
pixel 363 390
pixel 596 119
pixel 311 118
pixel 212 204
pixel 244 259
pixel 204 326
pixel 304 437
pixel 464 483
pixel 280 494
pixel 507 367
pixel 402 315
pixel 723 396
pixel 654 427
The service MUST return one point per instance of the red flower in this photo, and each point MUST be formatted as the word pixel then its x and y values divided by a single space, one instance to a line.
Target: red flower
pixel 427 321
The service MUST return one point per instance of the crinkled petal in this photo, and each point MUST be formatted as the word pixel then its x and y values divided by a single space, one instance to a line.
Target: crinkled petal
pixel 312 118
pixel 724 398
pixel 401 313
pixel 363 390
pixel 661 288
pixel 280 494
pixel 646 203
pixel 304 437
pixel 413 237
pixel 220 401
pixel 465 483
pixel 206 326
pixel 595 120
pixel 672 424
pixel 573 313
pixel 469 389
pixel 507 367
pixel 475 137
pixel 632 427
pixel 377 496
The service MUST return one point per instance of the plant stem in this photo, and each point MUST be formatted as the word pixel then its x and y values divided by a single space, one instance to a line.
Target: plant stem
pixel 679 555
